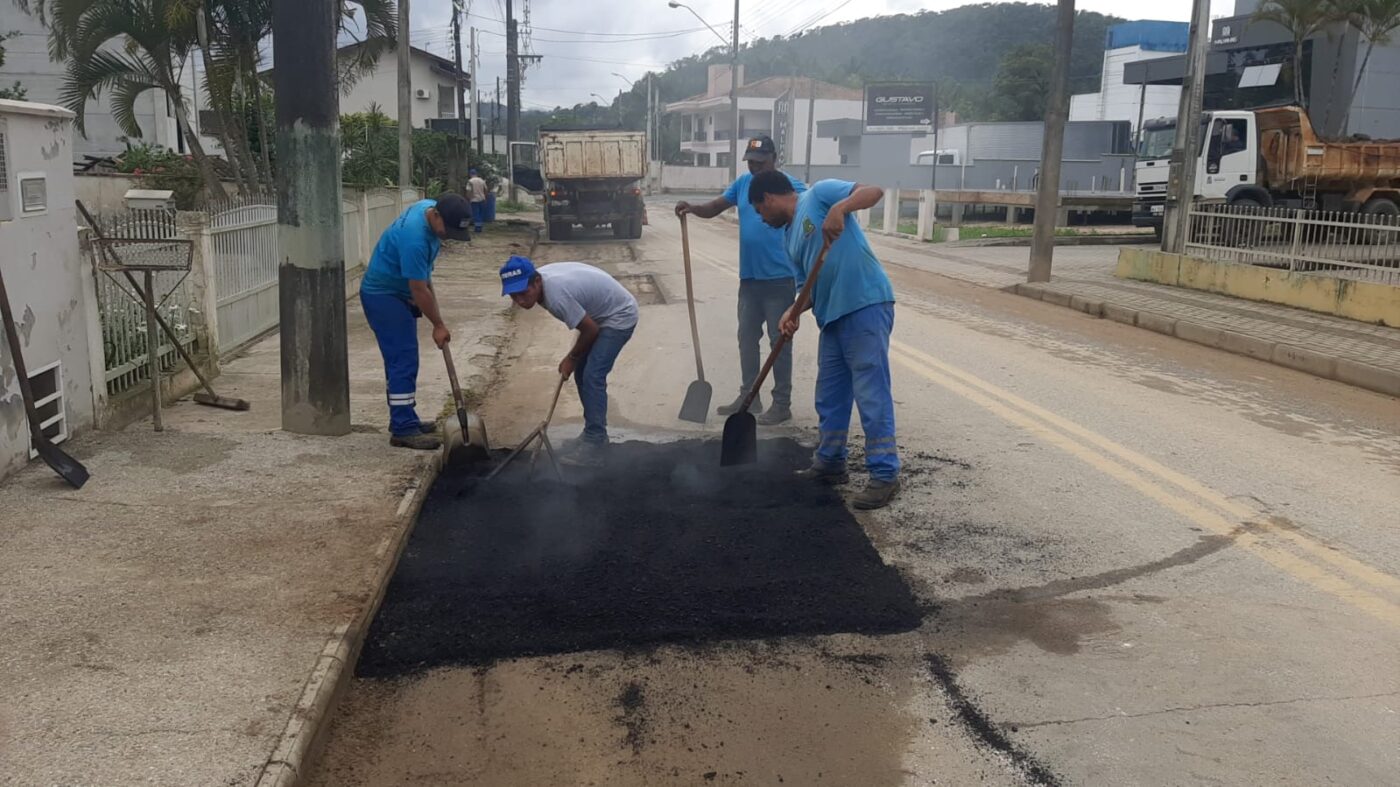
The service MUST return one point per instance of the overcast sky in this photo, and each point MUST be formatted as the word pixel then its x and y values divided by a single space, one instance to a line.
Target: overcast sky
pixel 584 43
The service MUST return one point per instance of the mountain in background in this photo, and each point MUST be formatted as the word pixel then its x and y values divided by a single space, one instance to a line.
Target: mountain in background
pixel 962 49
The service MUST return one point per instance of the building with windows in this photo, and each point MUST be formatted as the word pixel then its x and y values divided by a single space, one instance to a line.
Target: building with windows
pixel 1133 42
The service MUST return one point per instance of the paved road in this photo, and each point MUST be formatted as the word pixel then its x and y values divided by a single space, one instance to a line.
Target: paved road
pixel 1145 562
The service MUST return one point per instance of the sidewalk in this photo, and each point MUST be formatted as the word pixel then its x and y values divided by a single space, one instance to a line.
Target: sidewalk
pixel 183 618
pixel 1356 353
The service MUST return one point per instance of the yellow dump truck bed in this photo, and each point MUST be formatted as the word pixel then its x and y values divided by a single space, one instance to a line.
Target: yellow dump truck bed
pixel 1294 155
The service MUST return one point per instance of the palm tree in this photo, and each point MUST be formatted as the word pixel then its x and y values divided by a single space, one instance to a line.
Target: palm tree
pixel 1376 21
pixel 1303 19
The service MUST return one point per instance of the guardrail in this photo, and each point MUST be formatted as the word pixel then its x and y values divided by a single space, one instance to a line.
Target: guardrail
pixel 1361 246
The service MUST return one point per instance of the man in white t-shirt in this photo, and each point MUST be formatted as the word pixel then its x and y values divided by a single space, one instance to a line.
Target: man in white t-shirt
pixel 476 194
pixel 602 311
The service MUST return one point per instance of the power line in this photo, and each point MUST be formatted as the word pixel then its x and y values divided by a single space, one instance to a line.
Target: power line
pixel 812 21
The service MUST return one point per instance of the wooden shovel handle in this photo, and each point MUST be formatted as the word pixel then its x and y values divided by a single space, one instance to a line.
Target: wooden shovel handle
pixel 690 299
pixel 799 305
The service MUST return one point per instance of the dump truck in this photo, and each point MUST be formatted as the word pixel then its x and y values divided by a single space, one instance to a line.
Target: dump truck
pixel 1270 158
pixel 592 178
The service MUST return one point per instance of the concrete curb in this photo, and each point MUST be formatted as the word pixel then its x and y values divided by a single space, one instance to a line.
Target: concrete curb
pixel 299 745
pixel 1342 370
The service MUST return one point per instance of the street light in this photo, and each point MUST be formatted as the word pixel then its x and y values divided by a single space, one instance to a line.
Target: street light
pixel 611 103
pixel 733 80
pixel 629 82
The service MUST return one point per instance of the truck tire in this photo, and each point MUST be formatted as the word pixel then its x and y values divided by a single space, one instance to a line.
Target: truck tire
pixel 622 229
pixel 636 228
pixel 1238 236
pixel 560 230
pixel 1385 212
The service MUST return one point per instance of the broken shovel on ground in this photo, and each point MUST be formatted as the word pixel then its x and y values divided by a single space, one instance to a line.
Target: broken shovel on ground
pixel 696 407
pixel 474 446
pixel 740 443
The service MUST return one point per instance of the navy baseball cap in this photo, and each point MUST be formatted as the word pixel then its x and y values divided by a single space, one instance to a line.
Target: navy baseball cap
pixel 761 149
pixel 456 215
pixel 516 275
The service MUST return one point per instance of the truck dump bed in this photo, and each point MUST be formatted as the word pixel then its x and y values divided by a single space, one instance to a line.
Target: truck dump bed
pixel 1293 155
pixel 595 154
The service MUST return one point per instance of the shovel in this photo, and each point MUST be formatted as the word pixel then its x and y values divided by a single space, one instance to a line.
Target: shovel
pixel 66 466
pixel 540 433
pixel 696 407
pixel 740 443
pixel 474 447
pixel 206 397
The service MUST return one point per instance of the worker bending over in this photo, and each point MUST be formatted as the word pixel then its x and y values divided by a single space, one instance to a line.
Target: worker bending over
pixel 766 286
pixel 603 312
pixel 854 306
pixel 396 290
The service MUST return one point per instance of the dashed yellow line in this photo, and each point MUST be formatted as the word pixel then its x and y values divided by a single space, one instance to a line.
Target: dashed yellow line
pixel 1209 509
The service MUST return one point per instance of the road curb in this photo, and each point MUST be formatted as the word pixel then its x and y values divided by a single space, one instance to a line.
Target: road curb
pixel 301 740
pixel 1302 359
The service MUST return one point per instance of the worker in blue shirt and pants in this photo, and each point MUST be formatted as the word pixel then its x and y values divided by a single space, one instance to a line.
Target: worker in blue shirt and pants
pixel 766 286
pixel 396 290
pixel 853 302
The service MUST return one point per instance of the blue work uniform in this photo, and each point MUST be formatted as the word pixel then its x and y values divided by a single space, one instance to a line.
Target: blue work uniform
pixel 853 303
pixel 766 289
pixel 406 251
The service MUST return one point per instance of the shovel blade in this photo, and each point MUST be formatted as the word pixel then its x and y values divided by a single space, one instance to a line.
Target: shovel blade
pixel 696 407
pixel 66 466
pixel 740 443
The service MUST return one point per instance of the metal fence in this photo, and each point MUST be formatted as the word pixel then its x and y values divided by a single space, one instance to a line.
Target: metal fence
pixel 1360 246
pixel 243 240
pixel 123 317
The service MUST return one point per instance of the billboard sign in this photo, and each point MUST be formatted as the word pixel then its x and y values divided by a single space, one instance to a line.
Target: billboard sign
pixel 899 107
pixel 782 125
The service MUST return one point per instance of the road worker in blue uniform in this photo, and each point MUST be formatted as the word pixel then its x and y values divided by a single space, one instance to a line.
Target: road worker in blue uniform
pixel 396 290
pixel 765 282
pixel 853 303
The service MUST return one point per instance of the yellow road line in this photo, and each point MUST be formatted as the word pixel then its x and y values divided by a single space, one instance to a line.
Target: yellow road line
pixel 1249 540
pixel 1345 563
pixel 1257 536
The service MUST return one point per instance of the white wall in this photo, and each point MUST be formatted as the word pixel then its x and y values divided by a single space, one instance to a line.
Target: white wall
pixel 27 61
pixel 381 86
pixel 1117 101
pixel 50 287
pixel 826 151
pixel 693 179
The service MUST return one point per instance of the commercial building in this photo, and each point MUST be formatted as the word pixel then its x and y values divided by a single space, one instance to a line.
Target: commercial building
pixel 1133 42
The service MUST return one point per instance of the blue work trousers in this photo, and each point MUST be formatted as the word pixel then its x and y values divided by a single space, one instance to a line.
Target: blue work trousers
pixel 762 303
pixel 395 325
pixel 479 214
pixel 591 377
pixel 853 366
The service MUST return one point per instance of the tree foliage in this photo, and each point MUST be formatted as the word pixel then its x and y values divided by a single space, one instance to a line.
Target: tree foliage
pixel 1022 84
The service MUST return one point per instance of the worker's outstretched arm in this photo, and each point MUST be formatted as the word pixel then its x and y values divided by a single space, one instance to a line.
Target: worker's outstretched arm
pixel 705 210
pixel 587 335
pixel 427 303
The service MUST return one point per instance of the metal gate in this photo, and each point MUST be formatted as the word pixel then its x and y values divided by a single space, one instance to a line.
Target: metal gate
pixel 244 244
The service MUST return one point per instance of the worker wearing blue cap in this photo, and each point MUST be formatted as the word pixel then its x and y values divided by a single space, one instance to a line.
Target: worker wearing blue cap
pixel 602 311
pixel 396 290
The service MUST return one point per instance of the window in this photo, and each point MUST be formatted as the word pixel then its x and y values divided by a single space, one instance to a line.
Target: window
pixel 1227 136
pixel 447 102
pixel 1261 76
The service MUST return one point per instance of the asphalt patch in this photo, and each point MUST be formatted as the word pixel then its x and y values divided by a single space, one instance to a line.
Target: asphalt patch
pixel 662 546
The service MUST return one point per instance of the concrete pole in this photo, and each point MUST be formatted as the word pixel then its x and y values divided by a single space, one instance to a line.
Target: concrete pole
pixel 1047 198
pixel 311 271
pixel 457 66
pixel 811 115
pixel 734 98
pixel 1181 178
pixel 405 80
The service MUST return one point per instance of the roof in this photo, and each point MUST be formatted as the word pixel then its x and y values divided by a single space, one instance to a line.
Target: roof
pixel 1150 35
pixel 773 87
pixel 9 107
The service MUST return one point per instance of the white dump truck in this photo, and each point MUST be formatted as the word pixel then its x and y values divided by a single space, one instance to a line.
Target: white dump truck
pixel 592 178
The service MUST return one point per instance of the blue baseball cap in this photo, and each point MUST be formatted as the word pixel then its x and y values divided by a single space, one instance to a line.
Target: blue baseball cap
pixel 516 275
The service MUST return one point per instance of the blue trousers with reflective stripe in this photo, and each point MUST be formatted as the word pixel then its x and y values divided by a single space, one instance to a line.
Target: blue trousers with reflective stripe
pixel 395 325
pixel 853 367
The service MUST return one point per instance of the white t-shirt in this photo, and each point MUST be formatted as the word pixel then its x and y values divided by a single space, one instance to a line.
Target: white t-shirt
pixel 478 189
pixel 573 290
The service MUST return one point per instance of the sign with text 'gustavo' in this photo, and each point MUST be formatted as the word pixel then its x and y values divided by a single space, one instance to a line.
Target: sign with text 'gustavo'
pixel 898 107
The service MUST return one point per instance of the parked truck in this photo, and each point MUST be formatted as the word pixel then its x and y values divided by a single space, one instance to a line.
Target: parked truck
pixel 592 178
pixel 1270 158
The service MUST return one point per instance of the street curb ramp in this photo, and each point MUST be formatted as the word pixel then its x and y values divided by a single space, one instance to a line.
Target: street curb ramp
pixel 1342 370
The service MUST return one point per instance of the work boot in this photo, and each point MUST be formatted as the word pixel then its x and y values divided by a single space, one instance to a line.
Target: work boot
pixel 776 414
pixel 419 442
pixel 733 407
pixel 822 474
pixel 584 453
pixel 876 494
pixel 428 427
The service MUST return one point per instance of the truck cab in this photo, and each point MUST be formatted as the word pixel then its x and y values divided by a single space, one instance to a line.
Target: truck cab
pixel 1227 166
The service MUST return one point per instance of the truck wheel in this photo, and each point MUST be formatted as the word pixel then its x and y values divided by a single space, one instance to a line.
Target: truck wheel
pixel 1238 236
pixel 636 226
pixel 622 229
pixel 560 230
pixel 1384 211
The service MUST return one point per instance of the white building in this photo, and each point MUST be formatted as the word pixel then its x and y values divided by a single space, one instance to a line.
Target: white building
pixel 707 120
pixel 433 85
pixel 27 62
pixel 1126 43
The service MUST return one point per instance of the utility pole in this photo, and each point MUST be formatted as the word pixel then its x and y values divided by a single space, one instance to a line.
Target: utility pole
pixel 1047 198
pixel 512 94
pixel 311 269
pixel 811 120
pixel 1181 178
pixel 734 97
pixel 496 117
pixel 457 64
pixel 473 121
pixel 405 61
